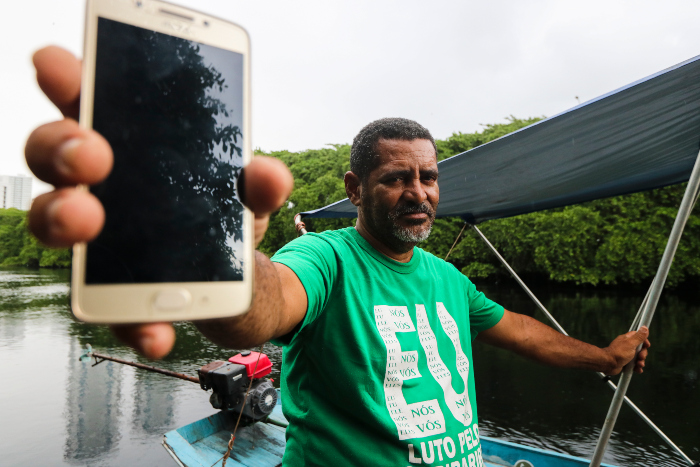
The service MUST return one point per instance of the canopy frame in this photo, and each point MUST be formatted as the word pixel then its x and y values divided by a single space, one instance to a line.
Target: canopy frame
pixel 561 329
pixel 649 307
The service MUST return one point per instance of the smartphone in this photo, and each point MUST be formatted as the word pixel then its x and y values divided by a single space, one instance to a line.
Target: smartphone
pixel 169 89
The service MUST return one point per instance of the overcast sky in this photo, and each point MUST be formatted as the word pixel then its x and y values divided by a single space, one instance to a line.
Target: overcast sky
pixel 322 69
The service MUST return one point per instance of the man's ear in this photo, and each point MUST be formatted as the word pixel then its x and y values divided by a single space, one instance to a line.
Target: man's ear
pixel 353 188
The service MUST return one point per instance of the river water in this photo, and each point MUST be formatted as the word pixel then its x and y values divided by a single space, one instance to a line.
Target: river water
pixel 57 411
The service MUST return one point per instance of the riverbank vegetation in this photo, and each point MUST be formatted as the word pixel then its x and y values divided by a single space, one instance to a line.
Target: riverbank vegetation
pixel 19 248
pixel 611 241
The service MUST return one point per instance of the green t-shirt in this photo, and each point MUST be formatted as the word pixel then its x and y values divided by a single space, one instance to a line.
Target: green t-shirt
pixel 379 371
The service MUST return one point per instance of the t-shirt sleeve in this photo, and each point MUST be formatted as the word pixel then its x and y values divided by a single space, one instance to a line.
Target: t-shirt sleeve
pixel 314 262
pixel 483 313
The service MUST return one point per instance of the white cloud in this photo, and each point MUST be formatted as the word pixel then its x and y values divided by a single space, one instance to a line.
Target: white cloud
pixel 321 70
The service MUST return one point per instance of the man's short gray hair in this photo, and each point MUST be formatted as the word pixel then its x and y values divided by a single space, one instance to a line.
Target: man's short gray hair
pixel 363 155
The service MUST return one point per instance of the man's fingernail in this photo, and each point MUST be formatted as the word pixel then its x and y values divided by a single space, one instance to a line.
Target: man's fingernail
pixel 56 228
pixel 66 156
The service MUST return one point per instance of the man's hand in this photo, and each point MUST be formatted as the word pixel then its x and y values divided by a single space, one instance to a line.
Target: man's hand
pixel 63 154
pixel 623 348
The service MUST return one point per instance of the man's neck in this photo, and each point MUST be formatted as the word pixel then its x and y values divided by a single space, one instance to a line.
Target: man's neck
pixel 394 252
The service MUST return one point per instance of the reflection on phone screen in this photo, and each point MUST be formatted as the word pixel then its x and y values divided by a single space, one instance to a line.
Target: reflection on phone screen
pixel 172 110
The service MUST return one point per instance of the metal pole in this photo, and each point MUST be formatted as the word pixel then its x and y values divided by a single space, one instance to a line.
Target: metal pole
pixel 456 240
pixel 635 321
pixel 558 326
pixel 142 366
pixel 684 211
pixel 520 282
pixel 651 424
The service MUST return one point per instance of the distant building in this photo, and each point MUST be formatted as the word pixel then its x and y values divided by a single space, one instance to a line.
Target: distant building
pixel 15 192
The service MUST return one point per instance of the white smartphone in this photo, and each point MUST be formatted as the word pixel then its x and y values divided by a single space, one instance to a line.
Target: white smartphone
pixel 169 89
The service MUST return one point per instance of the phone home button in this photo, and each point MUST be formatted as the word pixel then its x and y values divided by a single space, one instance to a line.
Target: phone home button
pixel 172 300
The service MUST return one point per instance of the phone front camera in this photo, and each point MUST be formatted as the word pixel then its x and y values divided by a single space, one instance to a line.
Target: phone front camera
pixel 206 23
pixel 139 4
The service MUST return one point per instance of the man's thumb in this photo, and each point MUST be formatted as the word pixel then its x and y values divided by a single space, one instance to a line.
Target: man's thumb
pixel 640 335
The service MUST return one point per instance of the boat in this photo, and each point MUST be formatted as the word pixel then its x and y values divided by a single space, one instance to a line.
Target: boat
pixel 204 442
pixel 260 441
pixel 642 136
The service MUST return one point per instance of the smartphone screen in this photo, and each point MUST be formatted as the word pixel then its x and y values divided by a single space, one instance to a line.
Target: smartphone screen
pixel 172 110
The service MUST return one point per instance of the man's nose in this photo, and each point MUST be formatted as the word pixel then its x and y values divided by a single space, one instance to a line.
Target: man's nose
pixel 415 192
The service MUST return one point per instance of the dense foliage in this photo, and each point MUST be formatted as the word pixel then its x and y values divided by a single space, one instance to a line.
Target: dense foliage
pixel 19 248
pixel 611 241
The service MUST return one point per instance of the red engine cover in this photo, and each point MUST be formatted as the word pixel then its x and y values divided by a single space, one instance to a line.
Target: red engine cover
pixel 249 359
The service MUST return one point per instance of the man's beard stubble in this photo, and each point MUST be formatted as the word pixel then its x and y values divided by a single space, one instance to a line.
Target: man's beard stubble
pixel 409 234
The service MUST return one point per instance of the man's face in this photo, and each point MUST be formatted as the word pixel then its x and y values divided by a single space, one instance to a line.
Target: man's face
pixel 400 197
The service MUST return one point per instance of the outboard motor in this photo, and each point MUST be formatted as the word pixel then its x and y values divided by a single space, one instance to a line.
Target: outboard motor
pixel 229 382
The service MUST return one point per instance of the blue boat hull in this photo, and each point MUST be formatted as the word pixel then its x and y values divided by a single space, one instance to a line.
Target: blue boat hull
pixel 204 442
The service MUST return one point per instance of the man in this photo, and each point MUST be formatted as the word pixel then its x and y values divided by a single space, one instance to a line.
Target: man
pixel 377 364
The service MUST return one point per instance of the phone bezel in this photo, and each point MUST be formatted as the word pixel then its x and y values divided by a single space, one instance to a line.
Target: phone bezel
pixel 132 303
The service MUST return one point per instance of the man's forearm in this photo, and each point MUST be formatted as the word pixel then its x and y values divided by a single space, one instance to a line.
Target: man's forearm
pixel 530 338
pixel 261 322
pixel 540 342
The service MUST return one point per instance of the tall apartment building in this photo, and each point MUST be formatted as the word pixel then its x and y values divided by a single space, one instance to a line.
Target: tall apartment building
pixel 15 192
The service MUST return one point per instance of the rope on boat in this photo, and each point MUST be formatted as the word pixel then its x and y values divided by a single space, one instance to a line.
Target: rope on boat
pixel 228 451
pixel 559 327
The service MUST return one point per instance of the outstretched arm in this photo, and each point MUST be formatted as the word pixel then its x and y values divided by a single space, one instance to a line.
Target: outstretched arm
pixel 64 154
pixel 278 307
pixel 532 339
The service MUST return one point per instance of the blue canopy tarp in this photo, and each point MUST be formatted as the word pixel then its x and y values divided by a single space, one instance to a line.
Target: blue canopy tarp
pixel 642 136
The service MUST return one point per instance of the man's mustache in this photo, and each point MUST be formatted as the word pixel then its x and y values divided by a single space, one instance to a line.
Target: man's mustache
pixel 423 208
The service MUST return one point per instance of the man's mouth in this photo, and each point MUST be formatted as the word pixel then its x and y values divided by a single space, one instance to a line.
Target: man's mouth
pixel 420 213
pixel 415 215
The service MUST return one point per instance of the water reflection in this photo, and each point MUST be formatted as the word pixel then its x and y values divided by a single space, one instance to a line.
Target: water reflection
pixel 10 332
pixel 153 404
pixel 116 415
pixel 93 408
